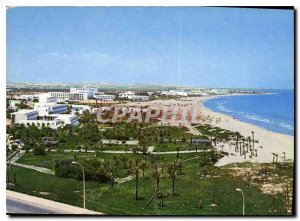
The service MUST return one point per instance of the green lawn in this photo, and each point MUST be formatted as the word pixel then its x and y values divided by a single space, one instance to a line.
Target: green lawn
pixel 120 200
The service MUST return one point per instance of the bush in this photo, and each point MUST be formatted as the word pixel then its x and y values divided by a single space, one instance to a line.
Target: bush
pixel 26 148
pixel 94 170
pixel 39 150
pixel 14 147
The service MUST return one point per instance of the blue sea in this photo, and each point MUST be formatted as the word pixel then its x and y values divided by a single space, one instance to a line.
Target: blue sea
pixel 273 111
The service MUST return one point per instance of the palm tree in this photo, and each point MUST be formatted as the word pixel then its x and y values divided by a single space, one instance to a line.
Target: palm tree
pixel 111 174
pixel 126 148
pixel 237 141
pixel 124 159
pixel 179 166
pixel 177 149
pixel 130 162
pixel 116 161
pixel 136 171
pixel 173 174
pixel 143 166
pixel 156 175
pixel 252 139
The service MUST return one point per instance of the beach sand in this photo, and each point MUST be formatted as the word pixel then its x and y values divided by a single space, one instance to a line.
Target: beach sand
pixel 271 142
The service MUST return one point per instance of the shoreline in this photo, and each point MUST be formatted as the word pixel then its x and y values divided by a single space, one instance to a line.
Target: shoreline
pixel 216 112
pixel 272 142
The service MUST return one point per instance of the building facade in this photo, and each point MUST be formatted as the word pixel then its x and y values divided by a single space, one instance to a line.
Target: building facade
pixel 24 114
pixel 104 97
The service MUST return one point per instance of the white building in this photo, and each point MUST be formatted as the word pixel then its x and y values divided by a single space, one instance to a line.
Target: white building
pixel 67 118
pixel 65 96
pixel 13 104
pixel 198 93
pixel 104 97
pixel 60 95
pixel 45 98
pixel 79 108
pixel 45 109
pixel 54 123
pixel 23 114
pixel 174 93
pixel 48 105
pixel 139 98
pixel 88 91
pixel 126 94
pixel 28 97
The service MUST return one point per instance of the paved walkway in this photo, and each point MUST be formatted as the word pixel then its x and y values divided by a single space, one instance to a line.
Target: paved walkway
pixel 39 169
pixel 44 205
pixel 125 179
pixel 192 129
pixel 150 149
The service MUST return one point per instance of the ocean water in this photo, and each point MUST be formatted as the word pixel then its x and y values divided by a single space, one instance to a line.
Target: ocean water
pixel 273 111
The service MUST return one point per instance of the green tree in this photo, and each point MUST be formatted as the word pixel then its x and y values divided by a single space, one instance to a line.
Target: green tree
pixel 173 175
pixel 143 166
pixel 136 172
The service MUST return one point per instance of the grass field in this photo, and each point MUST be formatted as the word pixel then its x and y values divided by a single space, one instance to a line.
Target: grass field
pixel 120 200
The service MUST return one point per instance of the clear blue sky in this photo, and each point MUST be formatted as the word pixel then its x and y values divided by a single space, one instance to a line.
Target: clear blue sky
pixel 220 47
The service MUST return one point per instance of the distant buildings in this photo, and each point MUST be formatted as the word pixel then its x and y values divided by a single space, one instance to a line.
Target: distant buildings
pixel 74 94
pixel 131 96
pixel 47 113
pixel 104 97
pixel 88 91
pixel 174 93
pixel 28 97
pixel 79 109
pixel 139 98
pixel 127 94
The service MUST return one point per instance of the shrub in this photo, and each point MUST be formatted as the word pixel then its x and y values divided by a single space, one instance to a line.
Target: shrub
pixel 94 170
pixel 39 150
pixel 14 147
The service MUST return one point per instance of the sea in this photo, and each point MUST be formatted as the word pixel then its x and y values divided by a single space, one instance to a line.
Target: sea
pixel 273 110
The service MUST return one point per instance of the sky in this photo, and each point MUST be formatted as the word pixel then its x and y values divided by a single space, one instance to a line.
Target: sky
pixel 219 47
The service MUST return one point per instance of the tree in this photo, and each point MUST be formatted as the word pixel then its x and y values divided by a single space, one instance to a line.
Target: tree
pixel 130 162
pixel 116 161
pixel 156 175
pixel 177 149
pixel 126 148
pixel 124 159
pixel 173 174
pixel 39 150
pixel 111 174
pixel 136 171
pixel 143 166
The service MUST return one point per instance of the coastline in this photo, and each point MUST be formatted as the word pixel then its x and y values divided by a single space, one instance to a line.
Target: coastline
pixel 272 142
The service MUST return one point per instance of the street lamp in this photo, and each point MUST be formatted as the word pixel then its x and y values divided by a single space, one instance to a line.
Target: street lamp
pixel 237 189
pixel 83 179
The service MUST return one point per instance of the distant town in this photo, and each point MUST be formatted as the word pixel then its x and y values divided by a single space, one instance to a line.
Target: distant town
pixel 42 105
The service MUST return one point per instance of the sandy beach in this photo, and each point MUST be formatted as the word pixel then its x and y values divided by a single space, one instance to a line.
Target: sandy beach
pixel 271 142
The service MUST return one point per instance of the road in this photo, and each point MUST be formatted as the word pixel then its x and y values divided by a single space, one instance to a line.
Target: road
pixel 16 206
pixel 19 203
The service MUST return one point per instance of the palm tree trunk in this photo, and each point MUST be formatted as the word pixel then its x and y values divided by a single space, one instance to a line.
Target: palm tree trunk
pixel 173 186
pixel 136 187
